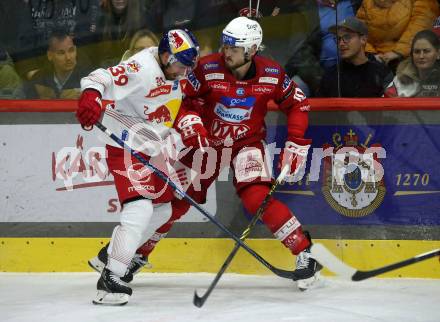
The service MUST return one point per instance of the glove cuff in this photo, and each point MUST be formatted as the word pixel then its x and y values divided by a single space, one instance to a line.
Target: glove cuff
pixel 97 95
pixel 189 120
pixel 91 90
pixel 298 146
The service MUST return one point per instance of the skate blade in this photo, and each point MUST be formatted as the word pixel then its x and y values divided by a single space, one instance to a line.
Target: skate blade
pixel 309 283
pixel 111 299
pixel 96 264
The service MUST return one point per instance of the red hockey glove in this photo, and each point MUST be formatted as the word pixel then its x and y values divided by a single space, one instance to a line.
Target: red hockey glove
pixel 194 134
pixel 294 154
pixel 89 107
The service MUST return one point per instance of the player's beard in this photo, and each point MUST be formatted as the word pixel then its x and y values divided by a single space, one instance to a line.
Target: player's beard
pixel 234 66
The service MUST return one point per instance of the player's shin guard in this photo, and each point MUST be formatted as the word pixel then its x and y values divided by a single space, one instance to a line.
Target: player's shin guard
pixel 291 235
pixel 179 208
pixel 277 217
pixel 299 242
pixel 127 236
pixel 286 228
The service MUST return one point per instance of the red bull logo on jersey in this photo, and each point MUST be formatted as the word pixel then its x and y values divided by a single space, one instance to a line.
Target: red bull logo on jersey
pixel 160 115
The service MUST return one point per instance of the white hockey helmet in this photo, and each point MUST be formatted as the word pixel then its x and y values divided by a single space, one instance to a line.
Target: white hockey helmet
pixel 242 32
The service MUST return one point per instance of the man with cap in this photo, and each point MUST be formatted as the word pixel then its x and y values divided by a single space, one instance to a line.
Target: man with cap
pixel 355 75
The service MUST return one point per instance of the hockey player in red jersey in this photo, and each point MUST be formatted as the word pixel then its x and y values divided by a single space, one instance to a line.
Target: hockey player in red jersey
pixel 223 115
pixel 235 86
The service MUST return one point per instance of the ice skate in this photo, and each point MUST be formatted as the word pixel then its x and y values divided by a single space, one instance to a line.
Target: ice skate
pixel 137 263
pixel 135 267
pixel 98 262
pixel 307 269
pixel 111 290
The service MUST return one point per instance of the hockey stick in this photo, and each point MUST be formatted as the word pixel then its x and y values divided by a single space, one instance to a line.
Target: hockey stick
pixel 200 300
pixel 326 258
pixel 277 271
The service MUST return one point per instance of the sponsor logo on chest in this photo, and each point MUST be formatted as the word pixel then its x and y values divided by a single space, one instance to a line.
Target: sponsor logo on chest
pixel 219 86
pixel 272 70
pixel 270 80
pixel 240 91
pixel 234 109
pixel 214 76
pixel 210 66
pixel 234 115
pixel 244 102
pixel 162 90
pixel 225 130
pixel 262 89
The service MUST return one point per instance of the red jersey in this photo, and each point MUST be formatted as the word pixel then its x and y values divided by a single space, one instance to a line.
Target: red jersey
pixel 235 109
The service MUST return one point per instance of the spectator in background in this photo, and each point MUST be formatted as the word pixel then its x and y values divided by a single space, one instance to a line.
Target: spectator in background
pixel 61 77
pixel 393 23
pixel 436 26
pixel 121 20
pixel 10 82
pixel 142 39
pixel 318 51
pixel 419 74
pixel 30 24
pixel 206 18
pixel 359 76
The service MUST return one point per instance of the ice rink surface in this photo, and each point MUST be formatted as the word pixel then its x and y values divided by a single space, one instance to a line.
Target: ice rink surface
pixel 66 297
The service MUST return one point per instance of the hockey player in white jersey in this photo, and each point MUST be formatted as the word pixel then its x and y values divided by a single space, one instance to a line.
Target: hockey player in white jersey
pixel 145 89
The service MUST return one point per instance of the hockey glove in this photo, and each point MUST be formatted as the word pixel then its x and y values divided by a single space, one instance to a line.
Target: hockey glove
pixel 194 134
pixel 89 108
pixel 294 154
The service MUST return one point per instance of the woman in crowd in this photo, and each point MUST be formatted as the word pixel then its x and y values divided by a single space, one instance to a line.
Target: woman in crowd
pixel 142 39
pixel 392 25
pixel 419 74
pixel 121 20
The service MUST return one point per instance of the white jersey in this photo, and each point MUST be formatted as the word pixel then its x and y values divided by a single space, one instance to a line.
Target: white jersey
pixel 140 92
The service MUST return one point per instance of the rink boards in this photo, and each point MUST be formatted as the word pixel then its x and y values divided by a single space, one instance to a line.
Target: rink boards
pixel 54 215
pixel 179 255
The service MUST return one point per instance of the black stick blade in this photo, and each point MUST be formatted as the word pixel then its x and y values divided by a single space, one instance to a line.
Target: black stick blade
pixel 197 300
